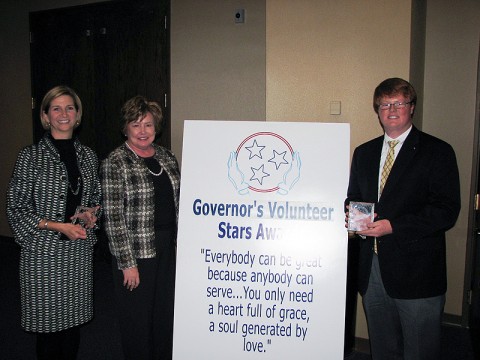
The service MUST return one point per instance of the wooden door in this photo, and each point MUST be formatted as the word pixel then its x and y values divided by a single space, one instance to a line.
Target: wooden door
pixel 108 52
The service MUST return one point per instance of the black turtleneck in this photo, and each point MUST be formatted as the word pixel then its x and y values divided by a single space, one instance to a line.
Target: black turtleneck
pixel 68 156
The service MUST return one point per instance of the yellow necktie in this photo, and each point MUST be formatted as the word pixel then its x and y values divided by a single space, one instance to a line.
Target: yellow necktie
pixel 388 163
pixel 389 160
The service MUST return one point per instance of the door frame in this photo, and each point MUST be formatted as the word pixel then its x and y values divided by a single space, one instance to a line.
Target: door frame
pixel 472 273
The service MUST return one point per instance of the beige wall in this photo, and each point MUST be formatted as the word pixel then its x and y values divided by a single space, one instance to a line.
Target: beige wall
pixel 218 67
pixel 330 50
pixel 452 44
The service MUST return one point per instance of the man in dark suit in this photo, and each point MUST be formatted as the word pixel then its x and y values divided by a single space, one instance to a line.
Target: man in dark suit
pixel 402 261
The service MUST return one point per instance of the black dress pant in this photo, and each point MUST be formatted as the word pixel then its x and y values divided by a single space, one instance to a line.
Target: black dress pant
pixel 145 314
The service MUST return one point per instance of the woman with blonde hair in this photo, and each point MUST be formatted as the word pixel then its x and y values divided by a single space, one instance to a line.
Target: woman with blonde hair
pixel 50 181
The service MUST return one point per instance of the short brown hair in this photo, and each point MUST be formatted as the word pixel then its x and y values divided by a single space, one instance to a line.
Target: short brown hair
pixel 393 86
pixel 54 93
pixel 136 109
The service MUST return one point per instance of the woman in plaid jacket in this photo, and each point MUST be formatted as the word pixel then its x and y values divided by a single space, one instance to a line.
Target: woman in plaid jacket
pixel 141 184
pixel 49 181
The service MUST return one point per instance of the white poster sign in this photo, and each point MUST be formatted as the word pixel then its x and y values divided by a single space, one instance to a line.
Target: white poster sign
pixel 262 247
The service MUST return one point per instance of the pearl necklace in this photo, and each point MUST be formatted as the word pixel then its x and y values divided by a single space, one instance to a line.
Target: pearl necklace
pixel 138 157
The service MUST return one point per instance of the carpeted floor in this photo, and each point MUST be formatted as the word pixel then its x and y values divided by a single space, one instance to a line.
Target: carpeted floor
pixel 100 338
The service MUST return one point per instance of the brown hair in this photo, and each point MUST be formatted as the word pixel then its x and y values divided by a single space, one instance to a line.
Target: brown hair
pixel 393 86
pixel 136 108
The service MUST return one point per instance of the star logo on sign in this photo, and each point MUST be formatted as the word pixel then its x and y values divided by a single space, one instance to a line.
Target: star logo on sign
pixel 269 160
pixel 278 159
pixel 255 150
pixel 259 174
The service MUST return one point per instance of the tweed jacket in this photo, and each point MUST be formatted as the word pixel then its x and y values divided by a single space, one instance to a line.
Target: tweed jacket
pixel 129 202
pixel 38 190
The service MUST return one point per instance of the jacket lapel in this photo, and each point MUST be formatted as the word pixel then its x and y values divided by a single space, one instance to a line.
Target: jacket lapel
pixel 372 170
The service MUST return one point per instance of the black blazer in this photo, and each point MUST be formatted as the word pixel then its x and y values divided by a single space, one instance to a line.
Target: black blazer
pixel 422 200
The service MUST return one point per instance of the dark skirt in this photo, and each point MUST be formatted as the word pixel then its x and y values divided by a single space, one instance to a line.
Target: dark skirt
pixel 56 291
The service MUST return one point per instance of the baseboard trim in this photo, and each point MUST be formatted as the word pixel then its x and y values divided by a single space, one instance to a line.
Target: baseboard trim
pixel 452 320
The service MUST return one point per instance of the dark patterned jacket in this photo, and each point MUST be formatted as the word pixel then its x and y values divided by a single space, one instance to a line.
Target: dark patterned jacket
pixel 38 190
pixel 129 202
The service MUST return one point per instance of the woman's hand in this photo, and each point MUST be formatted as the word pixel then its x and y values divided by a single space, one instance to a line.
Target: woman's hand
pixel 131 278
pixel 72 231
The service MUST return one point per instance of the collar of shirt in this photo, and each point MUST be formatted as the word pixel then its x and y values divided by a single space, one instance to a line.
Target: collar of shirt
pixel 385 147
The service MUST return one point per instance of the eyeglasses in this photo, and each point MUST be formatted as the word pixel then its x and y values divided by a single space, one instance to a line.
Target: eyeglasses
pixel 396 105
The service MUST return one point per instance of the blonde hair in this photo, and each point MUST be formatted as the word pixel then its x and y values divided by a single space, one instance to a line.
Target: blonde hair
pixel 54 93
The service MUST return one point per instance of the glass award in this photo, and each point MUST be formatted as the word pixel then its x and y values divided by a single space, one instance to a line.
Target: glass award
pixel 359 215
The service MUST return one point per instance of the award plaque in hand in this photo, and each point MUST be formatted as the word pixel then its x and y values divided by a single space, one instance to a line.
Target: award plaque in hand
pixel 359 215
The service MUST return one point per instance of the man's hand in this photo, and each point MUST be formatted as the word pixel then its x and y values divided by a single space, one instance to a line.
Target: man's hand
pixel 377 229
